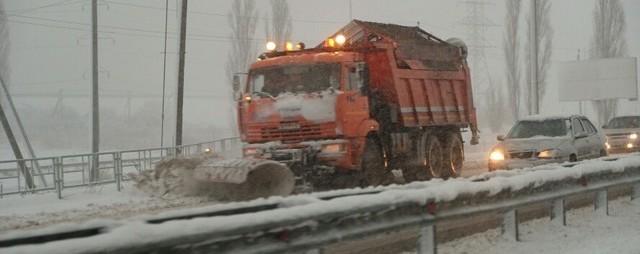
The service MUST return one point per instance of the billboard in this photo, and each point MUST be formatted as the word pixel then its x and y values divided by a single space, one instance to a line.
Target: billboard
pixel 597 79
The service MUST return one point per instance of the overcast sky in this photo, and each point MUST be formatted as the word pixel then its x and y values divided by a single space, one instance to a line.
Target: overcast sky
pixel 50 46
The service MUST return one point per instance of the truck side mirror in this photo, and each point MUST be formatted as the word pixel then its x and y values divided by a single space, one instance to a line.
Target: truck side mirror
pixel 236 87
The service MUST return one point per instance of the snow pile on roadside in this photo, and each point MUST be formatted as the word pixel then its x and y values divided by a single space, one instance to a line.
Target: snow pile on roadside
pixel 83 204
pixel 174 178
pixel 169 177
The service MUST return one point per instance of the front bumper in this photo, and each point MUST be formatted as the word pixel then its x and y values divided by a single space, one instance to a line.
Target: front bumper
pixel 304 153
pixel 521 163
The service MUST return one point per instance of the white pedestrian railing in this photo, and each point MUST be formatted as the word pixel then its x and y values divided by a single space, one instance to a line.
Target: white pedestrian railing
pixel 70 171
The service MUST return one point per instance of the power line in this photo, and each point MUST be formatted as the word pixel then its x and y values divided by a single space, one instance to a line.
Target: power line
pixel 60 3
pixel 220 14
pixel 130 29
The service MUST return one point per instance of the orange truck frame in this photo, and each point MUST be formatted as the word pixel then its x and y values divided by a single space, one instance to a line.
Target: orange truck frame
pixel 370 98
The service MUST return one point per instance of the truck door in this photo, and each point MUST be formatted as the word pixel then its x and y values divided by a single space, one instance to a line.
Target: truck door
pixel 353 104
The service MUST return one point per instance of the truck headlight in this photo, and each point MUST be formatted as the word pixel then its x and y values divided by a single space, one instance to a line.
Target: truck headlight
pixel 496 155
pixel 250 151
pixel 547 154
pixel 333 148
pixel 633 136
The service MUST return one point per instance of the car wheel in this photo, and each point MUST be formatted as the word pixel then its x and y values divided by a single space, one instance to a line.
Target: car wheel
pixel 573 158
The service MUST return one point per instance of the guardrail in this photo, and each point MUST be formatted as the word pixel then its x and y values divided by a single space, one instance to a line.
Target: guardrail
pixel 313 221
pixel 71 171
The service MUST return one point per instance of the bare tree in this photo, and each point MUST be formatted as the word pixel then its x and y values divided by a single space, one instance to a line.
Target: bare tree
pixel 511 54
pixel 608 41
pixel 496 103
pixel 242 21
pixel 280 28
pixel 543 43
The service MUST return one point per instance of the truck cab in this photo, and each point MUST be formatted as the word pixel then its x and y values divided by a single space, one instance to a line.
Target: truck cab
pixel 304 107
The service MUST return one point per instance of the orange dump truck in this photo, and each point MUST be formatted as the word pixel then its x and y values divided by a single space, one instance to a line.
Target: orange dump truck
pixel 370 98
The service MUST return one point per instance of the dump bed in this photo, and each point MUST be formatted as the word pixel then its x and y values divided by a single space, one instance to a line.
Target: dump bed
pixel 423 79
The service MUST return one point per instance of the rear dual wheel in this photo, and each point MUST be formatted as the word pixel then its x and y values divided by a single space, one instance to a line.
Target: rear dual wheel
pixel 453 155
pixel 437 158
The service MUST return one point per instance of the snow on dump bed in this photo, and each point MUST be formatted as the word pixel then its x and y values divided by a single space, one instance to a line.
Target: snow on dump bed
pixel 138 232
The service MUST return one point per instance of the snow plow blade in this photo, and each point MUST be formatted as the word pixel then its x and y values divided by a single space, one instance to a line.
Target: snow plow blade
pixel 244 179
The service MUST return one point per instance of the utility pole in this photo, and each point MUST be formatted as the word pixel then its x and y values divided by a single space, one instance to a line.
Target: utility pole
pixel 95 105
pixel 16 149
pixel 181 52
pixel 534 90
pixel 164 71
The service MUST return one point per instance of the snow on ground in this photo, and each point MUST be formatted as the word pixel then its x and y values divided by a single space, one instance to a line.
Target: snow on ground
pixel 81 204
pixel 586 232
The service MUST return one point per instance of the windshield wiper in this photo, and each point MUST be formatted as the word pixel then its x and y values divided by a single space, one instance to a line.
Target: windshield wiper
pixel 264 94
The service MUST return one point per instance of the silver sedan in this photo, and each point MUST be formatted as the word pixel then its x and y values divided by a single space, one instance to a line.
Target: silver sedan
pixel 538 140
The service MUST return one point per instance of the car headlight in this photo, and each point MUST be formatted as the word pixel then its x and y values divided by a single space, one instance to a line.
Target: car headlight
pixel 606 144
pixel 633 136
pixel 547 154
pixel 496 155
pixel 333 148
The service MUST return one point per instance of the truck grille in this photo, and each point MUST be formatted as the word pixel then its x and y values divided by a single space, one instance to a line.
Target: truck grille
pixel 618 136
pixel 291 132
pixel 521 155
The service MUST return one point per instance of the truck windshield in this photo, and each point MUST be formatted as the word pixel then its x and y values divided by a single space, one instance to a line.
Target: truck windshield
pixel 624 122
pixel 545 128
pixel 274 81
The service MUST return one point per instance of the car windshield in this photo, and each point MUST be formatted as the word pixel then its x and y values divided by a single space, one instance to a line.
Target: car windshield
pixel 546 128
pixel 624 122
pixel 274 81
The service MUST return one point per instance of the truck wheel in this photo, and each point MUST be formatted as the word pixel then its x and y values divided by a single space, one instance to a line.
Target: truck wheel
pixel 434 158
pixel 429 160
pixel 453 155
pixel 373 168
